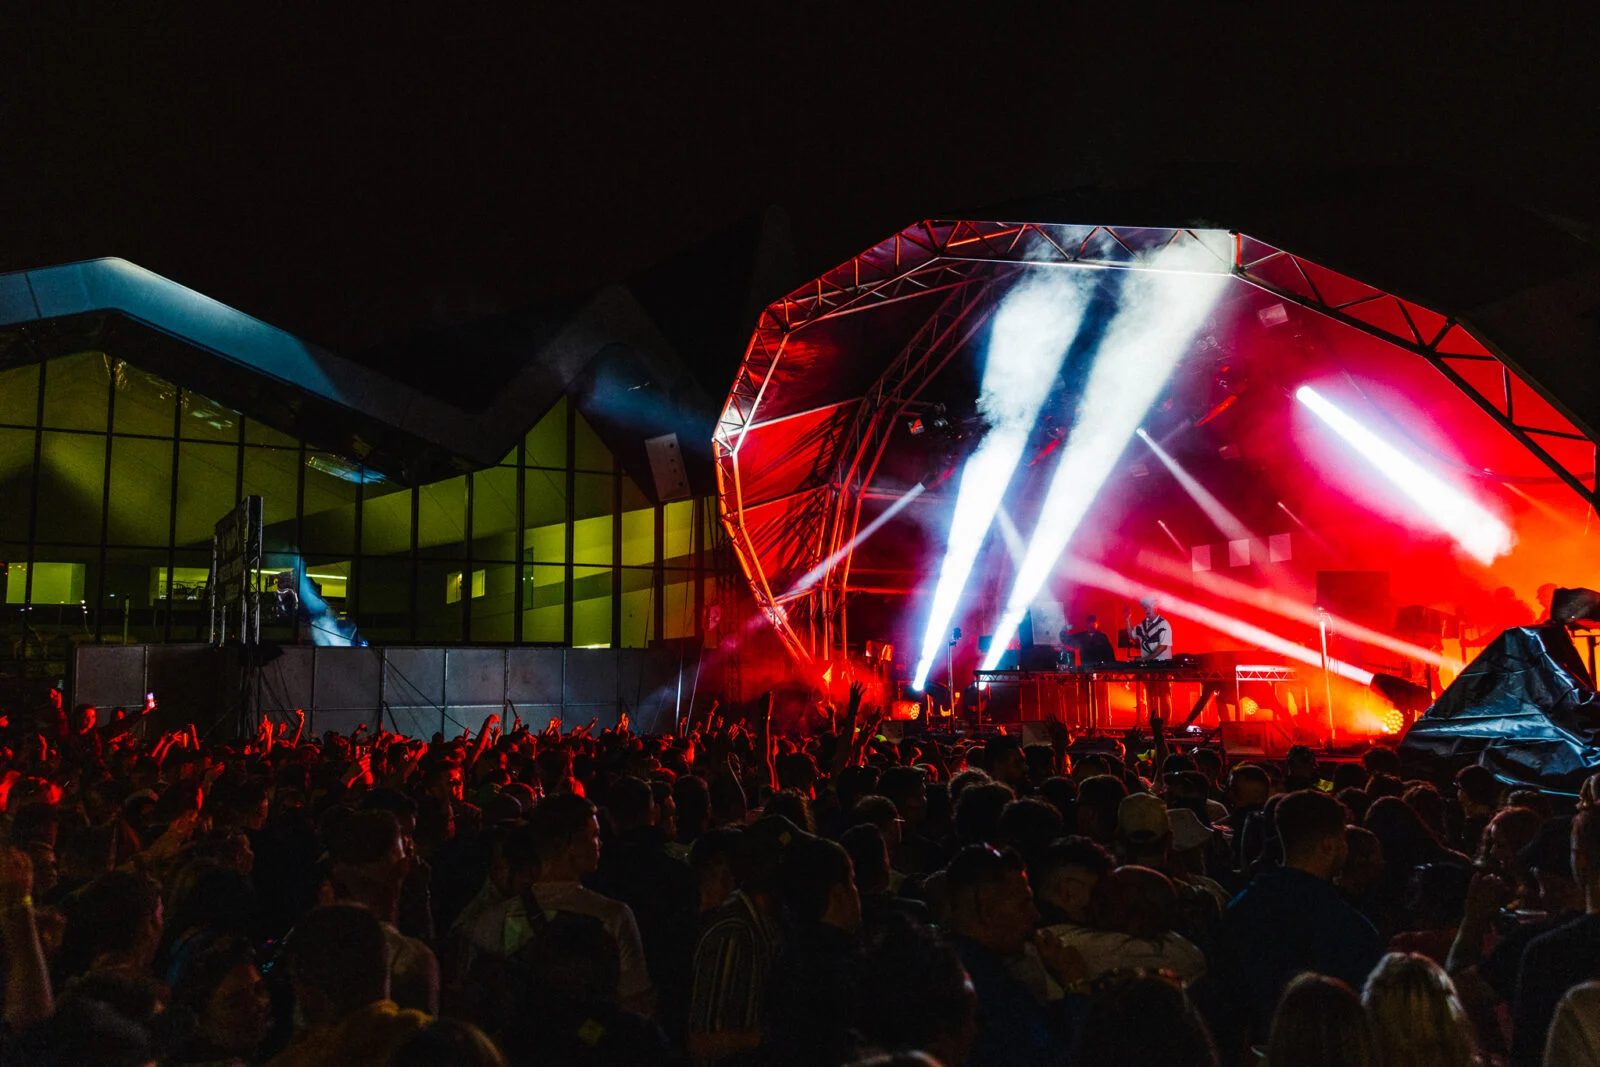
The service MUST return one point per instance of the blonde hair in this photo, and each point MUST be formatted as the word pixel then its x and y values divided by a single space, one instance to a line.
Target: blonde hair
pixel 1416 1015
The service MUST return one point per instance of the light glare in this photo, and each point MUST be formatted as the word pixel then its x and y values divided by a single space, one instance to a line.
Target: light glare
pixel 1032 330
pixel 1483 536
pixel 1220 516
pixel 1155 320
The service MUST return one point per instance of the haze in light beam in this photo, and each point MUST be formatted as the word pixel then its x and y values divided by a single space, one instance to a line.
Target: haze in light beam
pixel 1286 607
pixel 1102 577
pixel 1220 516
pixel 1032 330
pixel 1150 331
pixel 815 574
pixel 1484 537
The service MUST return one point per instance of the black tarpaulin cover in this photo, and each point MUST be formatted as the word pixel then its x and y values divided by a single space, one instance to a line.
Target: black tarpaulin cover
pixel 1526 709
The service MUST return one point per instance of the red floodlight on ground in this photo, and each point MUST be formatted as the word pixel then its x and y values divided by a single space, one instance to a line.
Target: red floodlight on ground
pixel 832 369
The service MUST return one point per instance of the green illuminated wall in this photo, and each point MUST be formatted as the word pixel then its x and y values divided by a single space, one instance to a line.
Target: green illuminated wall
pixel 112 480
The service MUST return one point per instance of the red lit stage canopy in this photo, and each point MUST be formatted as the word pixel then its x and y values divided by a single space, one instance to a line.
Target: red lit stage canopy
pixel 820 430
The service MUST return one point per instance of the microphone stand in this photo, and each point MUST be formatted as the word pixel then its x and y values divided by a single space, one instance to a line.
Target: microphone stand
pixel 1327 675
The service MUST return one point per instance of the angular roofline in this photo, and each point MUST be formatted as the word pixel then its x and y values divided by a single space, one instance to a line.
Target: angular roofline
pixel 298 387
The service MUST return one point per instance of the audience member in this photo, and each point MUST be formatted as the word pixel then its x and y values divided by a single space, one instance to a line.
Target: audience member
pixel 1320 1022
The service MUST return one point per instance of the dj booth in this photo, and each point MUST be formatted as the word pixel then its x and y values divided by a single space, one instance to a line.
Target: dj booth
pixel 1075 694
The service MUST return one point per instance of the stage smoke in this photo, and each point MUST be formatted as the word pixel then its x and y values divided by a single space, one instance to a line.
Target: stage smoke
pixel 1482 535
pixel 1032 329
pixel 1158 312
pixel 1220 516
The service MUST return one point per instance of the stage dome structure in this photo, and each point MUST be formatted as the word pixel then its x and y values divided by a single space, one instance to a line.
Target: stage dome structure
pixel 854 382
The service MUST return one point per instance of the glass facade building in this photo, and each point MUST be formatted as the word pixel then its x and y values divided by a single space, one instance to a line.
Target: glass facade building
pixel 114 479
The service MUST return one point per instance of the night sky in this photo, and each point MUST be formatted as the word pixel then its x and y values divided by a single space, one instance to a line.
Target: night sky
pixel 360 181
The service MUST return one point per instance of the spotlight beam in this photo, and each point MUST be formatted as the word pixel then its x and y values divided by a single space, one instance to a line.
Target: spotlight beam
pixel 1220 516
pixel 1015 547
pixel 1308 531
pixel 1183 549
pixel 815 574
pixel 1033 328
pixel 1103 577
pixel 1483 536
pixel 1285 607
pixel 1157 317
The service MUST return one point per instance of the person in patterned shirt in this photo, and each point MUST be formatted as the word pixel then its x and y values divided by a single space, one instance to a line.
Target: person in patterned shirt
pixel 1154 637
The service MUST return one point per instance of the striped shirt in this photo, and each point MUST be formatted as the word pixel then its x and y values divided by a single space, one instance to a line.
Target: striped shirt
pixel 1152 633
pixel 732 968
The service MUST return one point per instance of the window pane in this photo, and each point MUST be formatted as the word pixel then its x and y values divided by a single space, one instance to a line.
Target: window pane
pixel 591 541
pixel 591 453
pixel 76 390
pixel 438 615
pixel 638 606
pixel 53 582
pixel 442 518
pixel 188 610
pixel 678 531
pixel 58 618
pixel 19 395
pixel 330 505
pixel 591 607
pixel 639 537
pixel 141 492
pixel 494 514
pixel 385 519
pixel 634 498
pixel 128 605
pixel 144 402
pixel 273 474
pixel 678 601
pixel 259 433
pixel 16 482
pixel 592 533
pixel 547 441
pixel 595 495
pixel 492 612
pixel 544 497
pixel 383 607
pixel 208 478
pixel 206 420
pixel 544 598
pixel 331 580
pixel 72 487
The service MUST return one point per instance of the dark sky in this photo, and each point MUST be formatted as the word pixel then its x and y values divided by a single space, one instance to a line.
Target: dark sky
pixel 359 180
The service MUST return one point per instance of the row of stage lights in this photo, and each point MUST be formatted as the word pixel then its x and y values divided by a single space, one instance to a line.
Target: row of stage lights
pixel 1157 315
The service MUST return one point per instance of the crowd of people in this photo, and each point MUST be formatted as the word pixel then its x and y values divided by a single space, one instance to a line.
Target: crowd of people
pixel 731 896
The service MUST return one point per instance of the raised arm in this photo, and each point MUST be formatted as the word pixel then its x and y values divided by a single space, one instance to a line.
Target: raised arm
pixel 28 998
pixel 844 750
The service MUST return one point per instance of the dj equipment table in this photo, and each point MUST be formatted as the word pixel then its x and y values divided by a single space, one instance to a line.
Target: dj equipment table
pixel 1081 683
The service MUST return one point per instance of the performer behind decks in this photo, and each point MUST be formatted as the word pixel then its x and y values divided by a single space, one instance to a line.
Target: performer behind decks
pixel 1154 637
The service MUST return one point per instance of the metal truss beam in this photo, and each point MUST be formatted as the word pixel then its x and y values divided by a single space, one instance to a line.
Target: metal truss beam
pixel 958 262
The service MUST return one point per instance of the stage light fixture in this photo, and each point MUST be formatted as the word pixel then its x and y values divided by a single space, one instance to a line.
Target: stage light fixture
pixel 1033 327
pixel 1479 533
pixel 1157 316
pixel 1220 516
